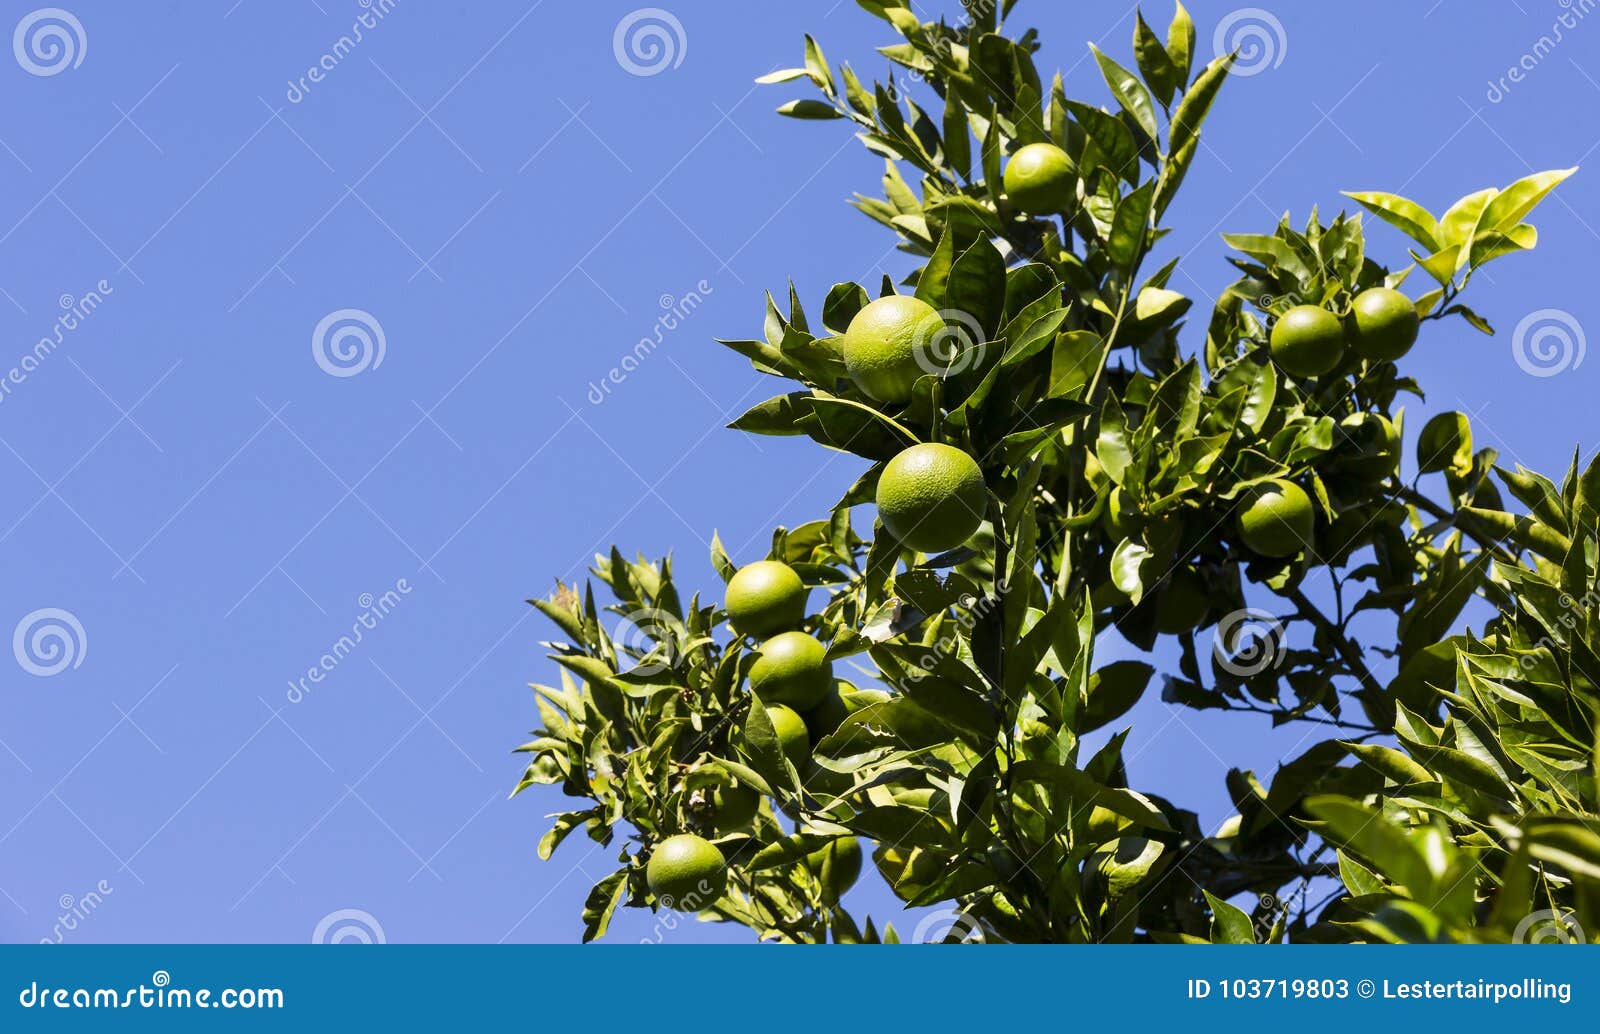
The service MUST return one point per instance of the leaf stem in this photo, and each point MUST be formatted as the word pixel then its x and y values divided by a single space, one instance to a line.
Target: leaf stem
pixel 891 421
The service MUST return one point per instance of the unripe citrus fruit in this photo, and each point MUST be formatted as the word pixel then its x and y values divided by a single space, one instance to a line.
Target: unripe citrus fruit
pixel 792 668
pixel 1307 341
pixel 793 739
pixel 1040 178
pixel 765 598
pixel 1183 602
pixel 1385 324
pixel 844 857
pixel 932 497
pixel 735 807
pixel 822 719
pixel 1445 444
pixel 686 872
pixel 885 346
pixel 1370 448
pixel 1278 520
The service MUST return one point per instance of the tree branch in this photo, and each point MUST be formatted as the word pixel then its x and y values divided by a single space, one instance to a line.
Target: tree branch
pixel 1349 652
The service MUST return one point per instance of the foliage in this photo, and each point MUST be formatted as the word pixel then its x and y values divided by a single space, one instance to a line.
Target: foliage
pixel 1447 804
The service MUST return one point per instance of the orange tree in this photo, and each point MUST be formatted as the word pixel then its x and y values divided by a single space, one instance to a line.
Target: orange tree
pixel 1042 461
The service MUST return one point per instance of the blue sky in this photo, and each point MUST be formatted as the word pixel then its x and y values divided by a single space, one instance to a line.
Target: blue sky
pixel 514 209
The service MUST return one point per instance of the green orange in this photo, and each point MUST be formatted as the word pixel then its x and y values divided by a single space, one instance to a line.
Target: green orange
pixel 1041 178
pixel 886 347
pixel 1445 444
pixel 842 856
pixel 827 715
pixel 1307 341
pixel 1385 324
pixel 686 872
pixel 792 668
pixel 1371 446
pixel 932 497
pixel 765 598
pixel 1277 521
pixel 793 739
pixel 735 807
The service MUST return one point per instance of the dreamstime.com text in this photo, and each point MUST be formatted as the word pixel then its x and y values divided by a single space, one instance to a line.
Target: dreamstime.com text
pixel 157 994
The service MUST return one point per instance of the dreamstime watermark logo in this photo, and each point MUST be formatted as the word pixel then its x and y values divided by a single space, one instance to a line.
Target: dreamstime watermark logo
pixel 373 610
pixel 1258 37
pixel 375 11
pixel 673 910
pixel 76 910
pixel 675 311
pixel 649 41
pixel 49 641
pixel 49 41
pixel 1547 342
pixel 347 342
pixel 349 926
pixel 956 346
pixel 75 311
pixel 1267 302
pixel 1248 642
pixel 649 635
pixel 1574 12
pixel 1549 926
pixel 948 926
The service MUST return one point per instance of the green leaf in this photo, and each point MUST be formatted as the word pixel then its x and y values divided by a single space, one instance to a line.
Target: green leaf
pixel 1371 835
pixel 957 137
pixel 1489 245
pixel 899 723
pixel 1111 137
pixel 1390 763
pixel 1510 206
pixel 1229 925
pixel 1445 444
pixel 1460 223
pixel 1360 880
pixel 1180 43
pixel 1127 567
pixel 602 901
pixel 1113 690
pixel 761 741
pixel 779 415
pixel 1129 92
pixel 808 108
pixel 1155 64
pixel 1409 217
pixel 1185 128
pixel 1129 227
pixel 1478 323
pixel 977 288
pixel 782 75
pixel 817 66
pixel 1442 265
pixel 720 561
pixel 565 823
pixel 841 306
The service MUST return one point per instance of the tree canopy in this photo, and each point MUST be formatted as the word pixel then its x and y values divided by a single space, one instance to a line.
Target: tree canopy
pixel 1231 485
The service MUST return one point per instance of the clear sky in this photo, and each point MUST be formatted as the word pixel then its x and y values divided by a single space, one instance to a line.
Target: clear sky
pixel 189 479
